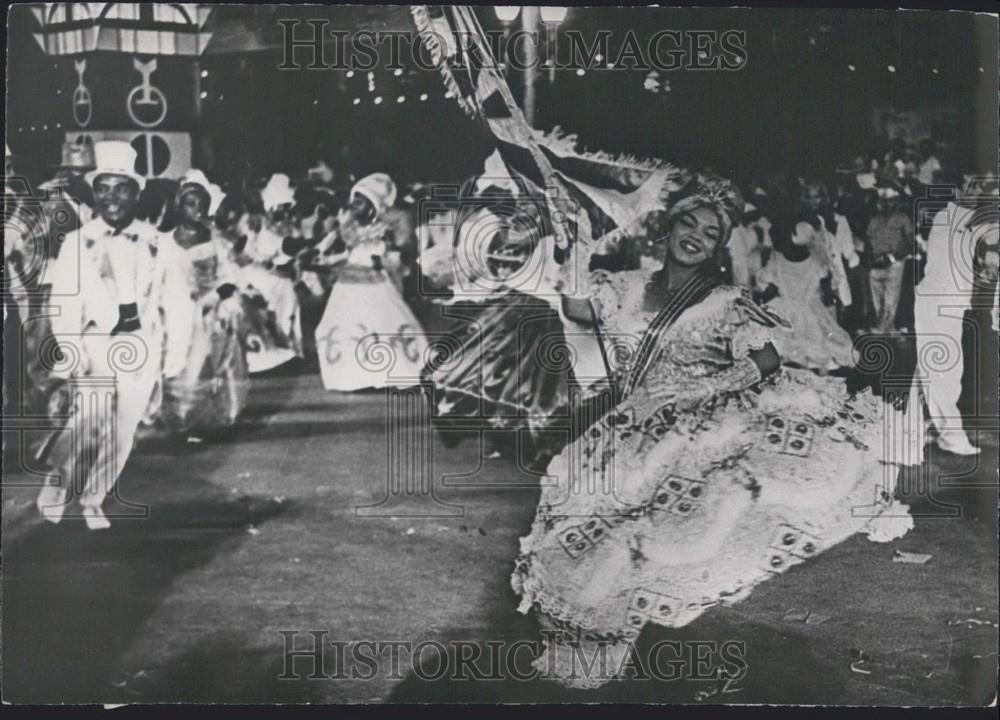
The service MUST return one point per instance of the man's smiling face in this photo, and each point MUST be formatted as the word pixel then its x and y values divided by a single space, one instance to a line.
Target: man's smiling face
pixel 117 198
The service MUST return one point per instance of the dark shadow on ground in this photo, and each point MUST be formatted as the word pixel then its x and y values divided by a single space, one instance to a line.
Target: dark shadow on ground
pixel 74 600
pixel 664 669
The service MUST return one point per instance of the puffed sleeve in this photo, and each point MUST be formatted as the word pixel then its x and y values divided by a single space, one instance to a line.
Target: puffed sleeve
pixel 753 326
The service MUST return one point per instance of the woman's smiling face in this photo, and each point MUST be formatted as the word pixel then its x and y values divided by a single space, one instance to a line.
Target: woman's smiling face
pixel 694 237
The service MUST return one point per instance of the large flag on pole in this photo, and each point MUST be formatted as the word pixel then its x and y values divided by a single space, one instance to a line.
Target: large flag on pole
pixel 588 195
pixel 460 50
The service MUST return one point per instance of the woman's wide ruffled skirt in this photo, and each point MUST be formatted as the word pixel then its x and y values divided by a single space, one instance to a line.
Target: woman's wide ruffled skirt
pixel 368 336
pixel 273 318
pixel 658 518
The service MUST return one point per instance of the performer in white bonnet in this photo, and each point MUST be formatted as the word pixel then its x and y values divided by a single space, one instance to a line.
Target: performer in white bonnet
pixel 279 338
pixel 213 389
pixel 124 315
pixel 366 308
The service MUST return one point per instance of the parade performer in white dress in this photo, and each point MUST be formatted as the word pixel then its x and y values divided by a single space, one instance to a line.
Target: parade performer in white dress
pixel 837 236
pixel 749 247
pixel 801 275
pixel 213 389
pixel 715 471
pixel 368 336
pixel 275 334
pixel 123 325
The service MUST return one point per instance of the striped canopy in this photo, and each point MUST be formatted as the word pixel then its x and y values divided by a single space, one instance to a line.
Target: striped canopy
pixel 141 28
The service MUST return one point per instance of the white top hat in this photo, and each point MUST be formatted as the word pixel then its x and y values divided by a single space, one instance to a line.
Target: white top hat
pixel 277 192
pixel 115 157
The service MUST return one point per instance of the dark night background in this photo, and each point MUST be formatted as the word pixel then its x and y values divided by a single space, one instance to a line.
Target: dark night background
pixel 794 107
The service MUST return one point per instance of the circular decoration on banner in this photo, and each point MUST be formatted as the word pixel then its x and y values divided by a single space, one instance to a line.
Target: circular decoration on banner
pixel 83 105
pixel 146 104
pixel 152 155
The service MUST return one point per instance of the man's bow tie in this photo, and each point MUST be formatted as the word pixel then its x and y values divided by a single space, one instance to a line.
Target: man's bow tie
pixel 128 236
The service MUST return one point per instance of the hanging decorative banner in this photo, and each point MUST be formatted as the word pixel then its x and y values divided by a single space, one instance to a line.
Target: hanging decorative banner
pixel 146 104
pixel 83 106
pixel 146 28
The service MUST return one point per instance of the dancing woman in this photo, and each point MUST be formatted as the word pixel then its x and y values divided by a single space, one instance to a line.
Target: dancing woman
pixel 366 314
pixel 806 277
pixel 716 470
pixel 265 275
pixel 212 390
pixel 836 235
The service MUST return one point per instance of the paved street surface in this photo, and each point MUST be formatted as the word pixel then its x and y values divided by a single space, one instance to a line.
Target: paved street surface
pixel 256 532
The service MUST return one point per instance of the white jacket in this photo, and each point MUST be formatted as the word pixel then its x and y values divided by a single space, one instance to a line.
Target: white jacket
pixel 98 269
pixel 948 276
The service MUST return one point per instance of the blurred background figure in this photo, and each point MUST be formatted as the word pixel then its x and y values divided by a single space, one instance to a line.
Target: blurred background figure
pixel 797 286
pixel 930 166
pixel 749 248
pixel 890 239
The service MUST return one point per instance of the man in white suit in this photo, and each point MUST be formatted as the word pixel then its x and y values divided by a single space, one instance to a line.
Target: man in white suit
pixel 124 305
pixel 942 299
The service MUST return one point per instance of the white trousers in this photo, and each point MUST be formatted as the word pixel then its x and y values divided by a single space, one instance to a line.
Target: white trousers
pixel 109 400
pixel 940 364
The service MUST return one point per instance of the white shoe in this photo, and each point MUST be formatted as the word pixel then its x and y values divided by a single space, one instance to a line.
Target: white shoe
pixel 51 503
pixel 95 518
pixel 960 447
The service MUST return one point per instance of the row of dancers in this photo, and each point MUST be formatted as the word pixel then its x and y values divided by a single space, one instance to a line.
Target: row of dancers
pixel 122 328
pixel 694 465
